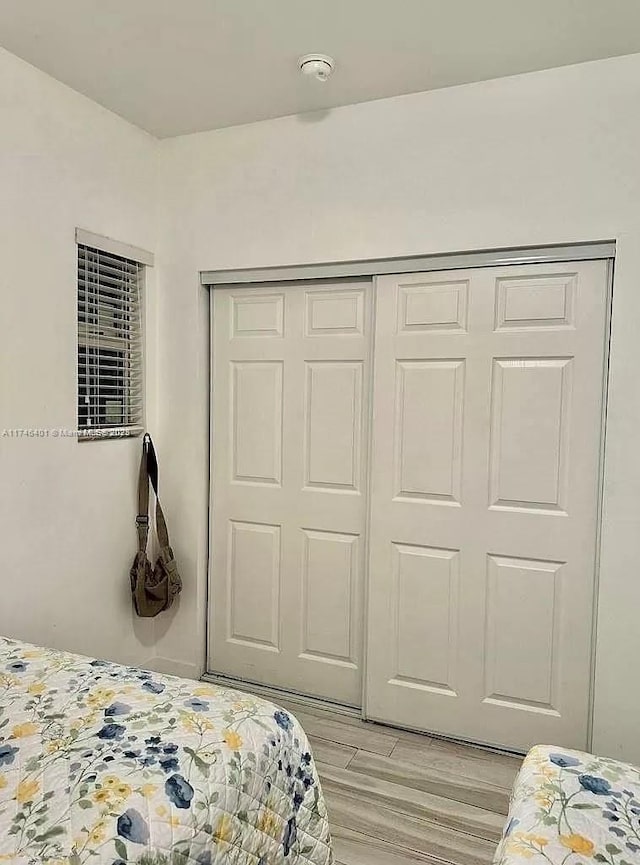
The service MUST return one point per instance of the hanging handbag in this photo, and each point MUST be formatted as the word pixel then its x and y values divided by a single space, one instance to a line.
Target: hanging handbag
pixel 153 588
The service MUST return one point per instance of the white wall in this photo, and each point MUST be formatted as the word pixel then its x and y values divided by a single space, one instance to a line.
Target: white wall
pixel 549 157
pixel 67 535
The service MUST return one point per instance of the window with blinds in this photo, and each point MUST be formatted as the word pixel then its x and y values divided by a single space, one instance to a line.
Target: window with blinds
pixel 110 374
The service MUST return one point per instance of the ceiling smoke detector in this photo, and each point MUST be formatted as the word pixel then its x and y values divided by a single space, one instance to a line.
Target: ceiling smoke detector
pixel 318 65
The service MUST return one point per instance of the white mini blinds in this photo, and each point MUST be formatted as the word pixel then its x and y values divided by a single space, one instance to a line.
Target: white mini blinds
pixel 110 371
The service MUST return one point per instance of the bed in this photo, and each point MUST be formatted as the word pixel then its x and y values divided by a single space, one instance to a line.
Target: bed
pixel 569 807
pixel 101 763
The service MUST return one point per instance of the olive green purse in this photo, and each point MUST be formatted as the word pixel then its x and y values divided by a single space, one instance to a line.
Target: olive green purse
pixel 153 588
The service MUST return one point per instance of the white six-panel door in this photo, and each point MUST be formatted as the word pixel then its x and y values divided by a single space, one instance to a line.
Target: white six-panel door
pixel 484 487
pixel 289 475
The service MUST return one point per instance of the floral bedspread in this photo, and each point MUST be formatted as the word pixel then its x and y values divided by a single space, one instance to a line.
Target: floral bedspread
pixel 101 763
pixel 568 807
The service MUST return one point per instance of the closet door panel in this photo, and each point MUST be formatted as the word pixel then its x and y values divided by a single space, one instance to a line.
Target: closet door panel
pixel 484 498
pixel 289 396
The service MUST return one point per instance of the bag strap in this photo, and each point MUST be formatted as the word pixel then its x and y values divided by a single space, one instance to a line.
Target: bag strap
pixel 152 468
pixel 149 472
pixel 142 518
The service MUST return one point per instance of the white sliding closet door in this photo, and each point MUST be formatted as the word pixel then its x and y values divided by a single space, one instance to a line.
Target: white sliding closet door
pixel 484 487
pixel 289 476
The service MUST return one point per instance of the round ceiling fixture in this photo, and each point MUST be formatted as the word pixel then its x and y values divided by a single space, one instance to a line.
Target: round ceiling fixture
pixel 320 66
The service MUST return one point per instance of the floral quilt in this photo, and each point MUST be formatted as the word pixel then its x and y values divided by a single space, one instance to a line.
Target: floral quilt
pixel 568 808
pixel 101 763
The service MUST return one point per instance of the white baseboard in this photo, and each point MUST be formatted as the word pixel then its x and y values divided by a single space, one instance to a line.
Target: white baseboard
pixel 175 668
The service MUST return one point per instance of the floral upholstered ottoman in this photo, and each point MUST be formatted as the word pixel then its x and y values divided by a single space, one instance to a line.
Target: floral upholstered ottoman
pixel 568 807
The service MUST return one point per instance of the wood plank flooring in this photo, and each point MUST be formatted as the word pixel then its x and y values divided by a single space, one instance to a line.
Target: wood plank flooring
pixel 399 798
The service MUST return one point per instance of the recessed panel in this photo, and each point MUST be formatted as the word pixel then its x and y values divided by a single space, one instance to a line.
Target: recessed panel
pixel 335 312
pixel 253 582
pixel 534 303
pixel 333 425
pixel 523 597
pixel 426 615
pixel 428 430
pixel 257 315
pixel 433 306
pixel 256 422
pixel 529 433
pixel 329 576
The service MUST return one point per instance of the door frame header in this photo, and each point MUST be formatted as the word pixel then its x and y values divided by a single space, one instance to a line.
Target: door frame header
pixel 412 264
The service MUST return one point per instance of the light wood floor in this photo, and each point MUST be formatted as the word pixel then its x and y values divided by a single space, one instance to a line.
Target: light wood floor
pixel 398 798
